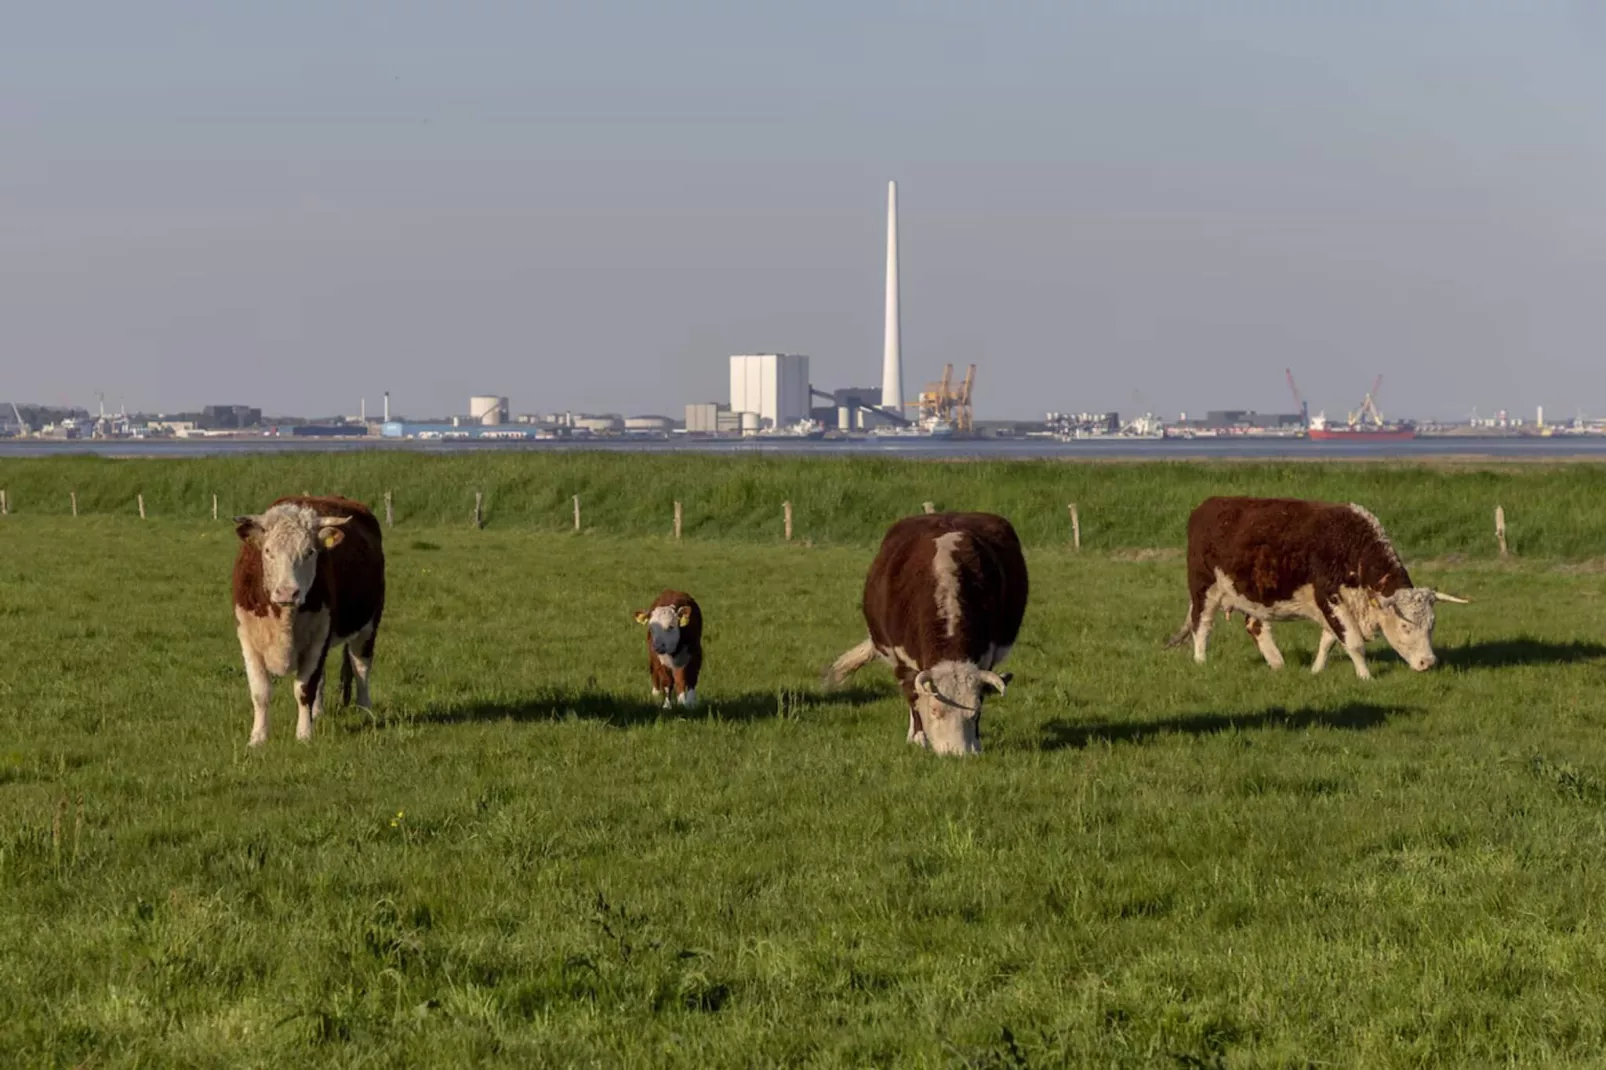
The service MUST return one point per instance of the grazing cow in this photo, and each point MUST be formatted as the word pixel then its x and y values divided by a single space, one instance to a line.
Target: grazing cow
pixel 674 646
pixel 1286 559
pixel 943 601
pixel 310 573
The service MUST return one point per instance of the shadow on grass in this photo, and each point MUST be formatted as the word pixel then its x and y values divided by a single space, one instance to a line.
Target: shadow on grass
pixel 1500 653
pixel 621 711
pixel 1354 717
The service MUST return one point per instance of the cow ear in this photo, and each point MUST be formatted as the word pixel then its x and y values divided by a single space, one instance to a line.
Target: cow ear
pixel 641 616
pixel 247 526
pixel 329 537
pixel 685 616
pixel 923 684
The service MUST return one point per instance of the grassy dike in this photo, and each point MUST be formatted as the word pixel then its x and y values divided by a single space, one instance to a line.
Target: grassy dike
pixel 1554 510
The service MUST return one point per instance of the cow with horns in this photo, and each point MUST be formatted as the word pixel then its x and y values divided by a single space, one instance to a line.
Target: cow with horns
pixel 1275 559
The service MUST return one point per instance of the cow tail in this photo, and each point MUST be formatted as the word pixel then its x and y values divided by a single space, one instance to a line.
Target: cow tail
pixel 849 663
pixel 1183 632
pixel 345 675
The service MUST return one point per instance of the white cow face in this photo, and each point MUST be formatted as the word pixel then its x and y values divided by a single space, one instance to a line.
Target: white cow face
pixel 948 698
pixel 663 626
pixel 1407 620
pixel 290 537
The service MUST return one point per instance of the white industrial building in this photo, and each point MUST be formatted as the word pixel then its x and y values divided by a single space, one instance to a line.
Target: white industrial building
pixel 491 409
pixel 774 387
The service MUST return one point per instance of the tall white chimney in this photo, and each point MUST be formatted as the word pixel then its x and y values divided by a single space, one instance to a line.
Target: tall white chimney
pixel 892 354
pixel 387 406
pixel 364 410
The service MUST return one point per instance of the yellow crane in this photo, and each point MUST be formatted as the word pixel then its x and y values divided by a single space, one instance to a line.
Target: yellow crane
pixel 939 401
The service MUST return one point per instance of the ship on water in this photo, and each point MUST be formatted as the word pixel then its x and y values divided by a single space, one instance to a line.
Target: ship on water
pixel 1366 424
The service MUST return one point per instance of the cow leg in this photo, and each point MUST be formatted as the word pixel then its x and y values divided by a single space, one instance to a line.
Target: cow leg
pixel 686 687
pixel 309 688
pixel 1322 648
pixel 360 656
pixel 261 681
pixel 662 682
pixel 1205 607
pixel 1261 630
pixel 1345 627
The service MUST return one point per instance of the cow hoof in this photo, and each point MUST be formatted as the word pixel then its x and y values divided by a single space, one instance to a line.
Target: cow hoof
pixel 258 741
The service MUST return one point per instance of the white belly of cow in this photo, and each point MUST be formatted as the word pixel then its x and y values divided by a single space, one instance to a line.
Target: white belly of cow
pixel 1302 606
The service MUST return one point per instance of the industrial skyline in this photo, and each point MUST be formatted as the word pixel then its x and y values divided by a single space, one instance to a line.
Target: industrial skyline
pixel 1142 207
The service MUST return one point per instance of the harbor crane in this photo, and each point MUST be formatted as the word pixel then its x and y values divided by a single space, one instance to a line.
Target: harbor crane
pixel 1299 401
pixel 941 401
pixel 1369 406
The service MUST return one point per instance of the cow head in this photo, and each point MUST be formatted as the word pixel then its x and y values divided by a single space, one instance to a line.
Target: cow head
pixel 290 538
pixel 948 700
pixel 1406 618
pixel 663 626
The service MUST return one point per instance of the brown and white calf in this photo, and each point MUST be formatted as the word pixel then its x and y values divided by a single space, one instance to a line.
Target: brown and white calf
pixel 310 573
pixel 943 602
pixel 674 646
pixel 1277 559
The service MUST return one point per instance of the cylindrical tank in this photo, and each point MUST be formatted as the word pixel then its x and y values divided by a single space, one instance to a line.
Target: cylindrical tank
pixel 749 423
pixel 488 408
pixel 598 424
pixel 844 418
pixel 649 423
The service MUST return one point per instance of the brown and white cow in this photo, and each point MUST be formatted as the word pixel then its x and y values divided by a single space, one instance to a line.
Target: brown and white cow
pixel 1287 559
pixel 310 573
pixel 674 646
pixel 943 601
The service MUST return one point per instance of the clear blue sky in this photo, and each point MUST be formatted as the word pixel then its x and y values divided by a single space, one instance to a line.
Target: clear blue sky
pixel 588 206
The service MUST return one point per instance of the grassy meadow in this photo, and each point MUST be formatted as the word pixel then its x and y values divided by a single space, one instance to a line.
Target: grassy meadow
pixel 516 861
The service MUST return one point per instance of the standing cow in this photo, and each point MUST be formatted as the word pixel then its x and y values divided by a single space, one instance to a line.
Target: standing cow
pixel 943 601
pixel 674 646
pixel 310 573
pixel 1286 559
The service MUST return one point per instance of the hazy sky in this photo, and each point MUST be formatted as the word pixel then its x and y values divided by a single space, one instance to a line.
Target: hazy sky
pixel 1131 205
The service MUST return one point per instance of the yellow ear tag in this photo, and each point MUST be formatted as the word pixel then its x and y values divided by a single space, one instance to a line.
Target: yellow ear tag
pixel 685 617
pixel 641 616
pixel 331 538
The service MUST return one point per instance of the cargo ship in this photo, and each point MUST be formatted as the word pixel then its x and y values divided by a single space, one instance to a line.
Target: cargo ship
pixel 1364 425
pixel 1361 433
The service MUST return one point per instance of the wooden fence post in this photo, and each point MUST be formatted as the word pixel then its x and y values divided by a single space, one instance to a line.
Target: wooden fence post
pixel 677 520
pixel 390 517
pixel 1076 527
pixel 930 507
pixel 214 507
pixel 74 495
pixel 142 506
pixel 1500 528
pixel 577 512
pixel 479 520
pixel 787 506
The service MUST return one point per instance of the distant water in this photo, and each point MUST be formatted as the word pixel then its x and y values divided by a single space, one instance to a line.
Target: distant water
pixel 1578 447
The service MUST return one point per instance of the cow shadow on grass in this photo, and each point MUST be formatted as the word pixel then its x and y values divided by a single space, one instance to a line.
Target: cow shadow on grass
pixel 1351 717
pixel 622 711
pixel 1502 653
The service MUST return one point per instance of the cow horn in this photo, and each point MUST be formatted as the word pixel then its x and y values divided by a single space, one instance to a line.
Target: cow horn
pixel 993 680
pixel 923 683
pixel 1440 596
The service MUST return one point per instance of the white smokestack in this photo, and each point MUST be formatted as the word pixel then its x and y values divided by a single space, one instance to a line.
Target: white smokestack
pixel 387 406
pixel 892 354
pixel 364 411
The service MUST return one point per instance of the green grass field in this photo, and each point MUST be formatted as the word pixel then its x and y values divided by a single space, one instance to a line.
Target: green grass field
pixel 516 861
